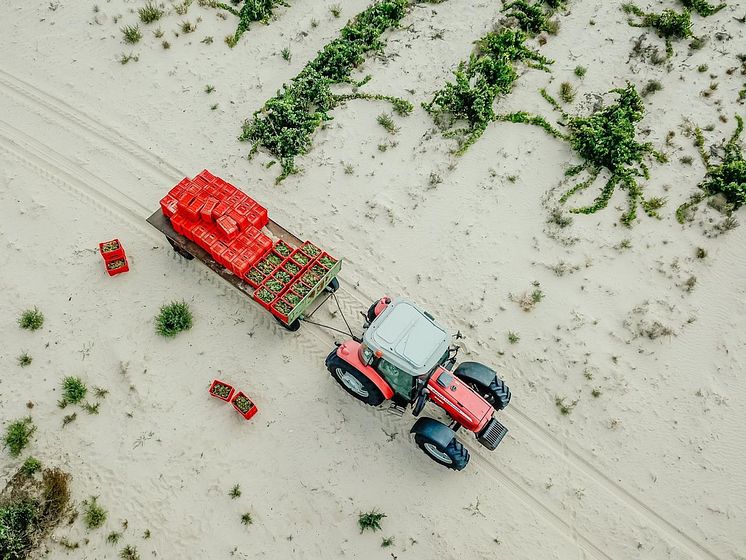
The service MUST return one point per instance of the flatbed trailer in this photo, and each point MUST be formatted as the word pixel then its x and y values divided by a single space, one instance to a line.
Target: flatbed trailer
pixel 188 249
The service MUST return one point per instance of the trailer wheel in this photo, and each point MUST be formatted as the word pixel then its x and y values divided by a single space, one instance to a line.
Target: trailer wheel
pixel 332 286
pixel 454 456
pixel 294 326
pixel 183 252
pixel 354 382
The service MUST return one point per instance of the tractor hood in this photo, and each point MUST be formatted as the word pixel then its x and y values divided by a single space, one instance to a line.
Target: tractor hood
pixel 409 338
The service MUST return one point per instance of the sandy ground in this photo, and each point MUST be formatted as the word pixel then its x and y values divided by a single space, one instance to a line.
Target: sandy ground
pixel 651 468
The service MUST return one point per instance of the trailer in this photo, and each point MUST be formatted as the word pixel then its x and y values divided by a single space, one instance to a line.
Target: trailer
pixel 284 274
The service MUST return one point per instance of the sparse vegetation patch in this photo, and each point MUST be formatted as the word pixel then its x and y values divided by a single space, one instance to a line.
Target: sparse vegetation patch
pixel 606 139
pixel 726 179
pixel 173 318
pixel 488 73
pixel 285 124
pixel 31 319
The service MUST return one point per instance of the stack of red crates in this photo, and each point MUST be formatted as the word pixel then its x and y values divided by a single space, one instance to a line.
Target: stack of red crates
pixel 219 218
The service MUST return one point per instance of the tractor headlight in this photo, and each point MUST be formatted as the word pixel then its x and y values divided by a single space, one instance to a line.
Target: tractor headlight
pixel 366 355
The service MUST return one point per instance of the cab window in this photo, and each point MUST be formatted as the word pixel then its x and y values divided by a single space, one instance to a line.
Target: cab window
pixel 402 383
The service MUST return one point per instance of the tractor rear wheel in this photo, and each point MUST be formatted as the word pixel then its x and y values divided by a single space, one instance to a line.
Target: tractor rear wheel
pixel 355 382
pixel 484 381
pixel 454 456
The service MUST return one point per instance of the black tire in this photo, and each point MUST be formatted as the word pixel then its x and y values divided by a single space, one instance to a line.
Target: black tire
pixel 457 455
pixel 485 382
pixel 332 286
pixel 371 314
pixel 183 252
pixel 367 391
pixel 294 326
pixel 497 394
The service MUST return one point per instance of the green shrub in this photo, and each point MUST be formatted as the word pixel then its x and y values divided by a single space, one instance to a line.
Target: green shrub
pixel 73 390
pixel 489 72
pixel 531 18
pixel 17 521
pixel 370 520
pixel 606 139
pixel 173 318
pixel 18 434
pixel 30 466
pixel 93 514
pixel 31 319
pixel 728 178
pixel 669 24
pixel 702 7
pixel 285 124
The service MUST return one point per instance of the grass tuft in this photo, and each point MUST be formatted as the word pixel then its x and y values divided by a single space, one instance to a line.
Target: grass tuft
pixel 131 33
pixel 150 13
pixel 246 519
pixel 25 360
pixel 370 520
pixel 93 514
pixel 388 123
pixel 567 92
pixel 31 319
pixel 235 492
pixel 129 552
pixel 173 319
pixel 30 466
pixel 580 71
pixel 18 434
pixel 73 390
pixel 286 54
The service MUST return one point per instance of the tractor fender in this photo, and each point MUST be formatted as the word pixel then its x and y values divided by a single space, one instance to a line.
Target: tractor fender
pixel 381 304
pixel 474 371
pixel 349 351
pixel 433 431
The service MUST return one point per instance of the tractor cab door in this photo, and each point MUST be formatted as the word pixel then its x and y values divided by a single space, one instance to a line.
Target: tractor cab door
pixel 401 382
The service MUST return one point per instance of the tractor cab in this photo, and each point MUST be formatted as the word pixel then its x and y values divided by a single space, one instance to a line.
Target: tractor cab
pixel 404 343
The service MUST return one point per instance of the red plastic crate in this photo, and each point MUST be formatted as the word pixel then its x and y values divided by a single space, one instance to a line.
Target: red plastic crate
pixel 192 210
pixel 180 188
pixel 279 314
pixel 200 181
pixel 190 226
pixel 254 283
pixel 227 257
pixel 177 221
pixel 114 271
pixel 205 174
pixel 265 243
pixel 221 209
pixel 260 301
pixel 306 245
pixel 168 205
pixel 227 227
pixel 184 201
pixel 113 254
pixel 241 264
pixel 230 394
pixel 241 220
pixel 249 413
pixel 207 209
pixel 217 249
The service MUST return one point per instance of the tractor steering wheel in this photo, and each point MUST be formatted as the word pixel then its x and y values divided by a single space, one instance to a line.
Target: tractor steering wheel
pixel 420 402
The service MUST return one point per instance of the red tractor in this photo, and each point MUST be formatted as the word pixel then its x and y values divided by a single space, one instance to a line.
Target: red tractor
pixel 405 356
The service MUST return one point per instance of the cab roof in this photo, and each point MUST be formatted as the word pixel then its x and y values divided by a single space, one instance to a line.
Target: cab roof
pixel 409 339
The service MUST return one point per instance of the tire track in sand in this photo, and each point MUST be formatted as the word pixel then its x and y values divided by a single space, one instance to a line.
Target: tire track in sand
pixel 136 213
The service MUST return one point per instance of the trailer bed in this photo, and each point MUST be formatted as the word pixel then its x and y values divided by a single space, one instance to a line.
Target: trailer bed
pixel 185 246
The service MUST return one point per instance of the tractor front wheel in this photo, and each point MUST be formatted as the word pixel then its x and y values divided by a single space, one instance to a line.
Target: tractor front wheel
pixel 454 456
pixel 355 382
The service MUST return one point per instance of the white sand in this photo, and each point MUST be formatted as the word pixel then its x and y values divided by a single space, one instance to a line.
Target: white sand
pixel 652 468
